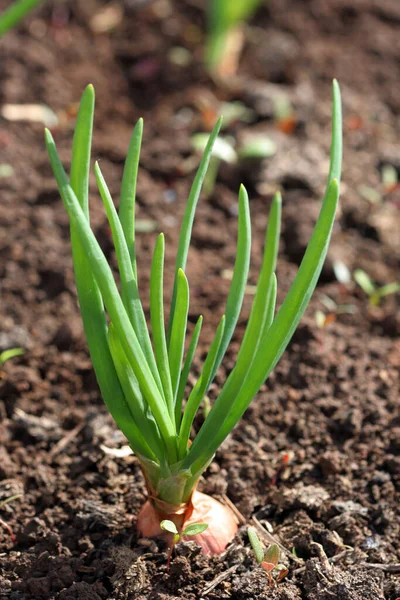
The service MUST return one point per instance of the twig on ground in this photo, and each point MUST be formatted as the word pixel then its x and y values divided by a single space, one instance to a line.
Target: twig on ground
pixel 63 443
pixel 234 509
pixel 322 556
pixel 393 568
pixel 332 559
pixel 219 580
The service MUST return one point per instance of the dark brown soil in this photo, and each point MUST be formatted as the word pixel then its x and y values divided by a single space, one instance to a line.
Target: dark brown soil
pixel 333 401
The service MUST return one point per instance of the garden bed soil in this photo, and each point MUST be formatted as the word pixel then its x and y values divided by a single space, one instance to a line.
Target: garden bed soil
pixel 332 403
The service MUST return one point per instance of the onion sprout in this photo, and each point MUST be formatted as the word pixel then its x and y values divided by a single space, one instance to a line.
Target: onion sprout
pixel 143 378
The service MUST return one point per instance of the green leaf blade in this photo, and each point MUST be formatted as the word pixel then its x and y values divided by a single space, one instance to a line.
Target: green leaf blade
pixel 223 15
pixel 10 353
pixel 178 331
pixel 275 339
pixel 187 223
pixel 260 318
pixel 169 526
pixel 90 300
pixel 185 371
pixel 256 544
pixel 336 154
pixel 199 389
pixel 389 288
pixel 134 397
pixel 157 320
pixel 195 529
pixel 365 282
pixel 273 554
pixel 240 276
pixel 262 311
pixel 113 302
pixel 128 190
pixel 129 289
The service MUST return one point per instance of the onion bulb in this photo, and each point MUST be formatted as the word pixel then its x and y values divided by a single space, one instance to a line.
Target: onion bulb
pixel 202 508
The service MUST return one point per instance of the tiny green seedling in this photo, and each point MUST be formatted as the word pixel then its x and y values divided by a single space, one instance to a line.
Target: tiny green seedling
pixel 236 111
pixel 2 522
pixel 223 151
pixel 284 114
pixel 268 560
pixel 323 319
pixel 389 183
pixel 8 354
pixel 255 148
pixel 390 178
pixel 189 531
pixel 374 292
pixel 225 18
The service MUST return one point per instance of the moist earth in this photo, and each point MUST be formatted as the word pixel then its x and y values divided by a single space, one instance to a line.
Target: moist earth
pixel 316 457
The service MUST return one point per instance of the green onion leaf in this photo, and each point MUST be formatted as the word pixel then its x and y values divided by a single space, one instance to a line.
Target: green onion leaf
pixel 134 397
pixel 129 289
pixel 90 301
pixel 12 15
pixel 178 332
pixel 185 371
pixel 113 302
pixel 273 342
pixel 157 320
pixel 199 389
pixel 264 302
pixel 128 191
pixel 239 279
pixel 232 402
pixel 187 223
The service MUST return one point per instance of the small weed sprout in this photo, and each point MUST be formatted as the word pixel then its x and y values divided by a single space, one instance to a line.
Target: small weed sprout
pixel 323 319
pixel 2 522
pixel 8 354
pixel 223 151
pixel 388 185
pixel 373 291
pixel 255 148
pixel 284 115
pixel 333 310
pixel 225 19
pixel 189 531
pixel 268 560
